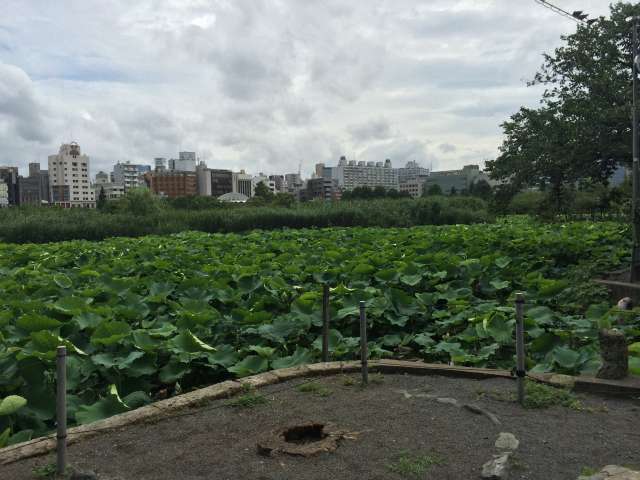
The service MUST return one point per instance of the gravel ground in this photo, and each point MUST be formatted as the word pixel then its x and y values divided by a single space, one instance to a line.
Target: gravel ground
pixel 218 441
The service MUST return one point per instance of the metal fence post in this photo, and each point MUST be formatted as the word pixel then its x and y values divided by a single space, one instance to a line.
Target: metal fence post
pixel 520 367
pixel 364 353
pixel 325 323
pixel 61 410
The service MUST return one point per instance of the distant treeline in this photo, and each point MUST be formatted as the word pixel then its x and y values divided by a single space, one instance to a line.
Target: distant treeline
pixel 142 214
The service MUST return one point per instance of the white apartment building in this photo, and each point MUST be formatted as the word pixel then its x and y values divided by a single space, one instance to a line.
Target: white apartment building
pixel 69 178
pixel 4 194
pixel 129 175
pixel 371 174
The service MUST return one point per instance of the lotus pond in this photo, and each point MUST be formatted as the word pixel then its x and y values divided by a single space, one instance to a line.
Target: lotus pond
pixel 148 317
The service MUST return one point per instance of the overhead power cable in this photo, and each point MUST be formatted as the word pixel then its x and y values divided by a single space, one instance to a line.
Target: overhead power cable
pixel 577 16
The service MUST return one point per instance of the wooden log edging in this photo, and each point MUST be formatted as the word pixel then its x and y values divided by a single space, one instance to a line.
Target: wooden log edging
pixel 197 398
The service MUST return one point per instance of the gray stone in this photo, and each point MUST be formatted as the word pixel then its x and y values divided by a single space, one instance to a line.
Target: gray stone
pixel 498 468
pixel 613 472
pixel 448 401
pixel 88 475
pixel 507 441
pixel 481 411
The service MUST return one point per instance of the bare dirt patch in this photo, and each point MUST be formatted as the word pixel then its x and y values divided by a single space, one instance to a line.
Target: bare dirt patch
pixel 403 432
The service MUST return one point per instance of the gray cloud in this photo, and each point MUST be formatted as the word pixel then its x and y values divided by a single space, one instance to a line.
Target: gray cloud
pixel 21 112
pixel 266 85
pixel 447 148
pixel 372 130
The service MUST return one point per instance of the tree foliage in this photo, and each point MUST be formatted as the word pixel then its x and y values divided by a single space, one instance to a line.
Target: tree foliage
pixel 582 129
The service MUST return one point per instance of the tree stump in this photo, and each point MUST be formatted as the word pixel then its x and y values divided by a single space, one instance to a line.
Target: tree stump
pixel 615 355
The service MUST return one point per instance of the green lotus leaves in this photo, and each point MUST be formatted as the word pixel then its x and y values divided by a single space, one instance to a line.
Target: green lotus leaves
pixel 110 333
pixel 164 313
pixel 11 404
pixel 109 405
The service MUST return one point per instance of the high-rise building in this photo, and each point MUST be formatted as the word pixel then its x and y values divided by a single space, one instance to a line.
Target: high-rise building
pixel 69 178
pixel 364 174
pixel 129 175
pixel 9 175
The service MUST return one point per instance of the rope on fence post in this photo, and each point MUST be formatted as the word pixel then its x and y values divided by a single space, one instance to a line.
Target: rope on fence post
pixel 325 323
pixel 520 367
pixel 61 410
pixel 364 352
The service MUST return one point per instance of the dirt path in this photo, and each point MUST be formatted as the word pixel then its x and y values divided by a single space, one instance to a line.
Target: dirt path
pixel 218 441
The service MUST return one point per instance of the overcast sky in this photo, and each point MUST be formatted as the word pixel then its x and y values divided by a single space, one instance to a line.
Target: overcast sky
pixel 267 84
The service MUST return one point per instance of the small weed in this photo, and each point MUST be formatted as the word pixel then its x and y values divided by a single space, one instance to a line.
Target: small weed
pixel 348 381
pixel 588 471
pixel 413 465
pixel 376 378
pixel 250 398
pixel 49 471
pixel 315 388
pixel 539 395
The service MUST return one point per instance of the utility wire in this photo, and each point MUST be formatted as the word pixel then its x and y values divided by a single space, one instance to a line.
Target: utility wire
pixel 578 16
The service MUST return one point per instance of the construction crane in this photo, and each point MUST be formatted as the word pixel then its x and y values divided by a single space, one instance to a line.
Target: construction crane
pixel 577 16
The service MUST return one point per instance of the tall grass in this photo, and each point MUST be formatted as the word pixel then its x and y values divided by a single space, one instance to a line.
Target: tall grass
pixel 39 225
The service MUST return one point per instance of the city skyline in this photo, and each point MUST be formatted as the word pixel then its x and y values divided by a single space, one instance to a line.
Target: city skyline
pixel 265 86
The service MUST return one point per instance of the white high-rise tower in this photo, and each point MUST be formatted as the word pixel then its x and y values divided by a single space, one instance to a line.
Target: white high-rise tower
pixel 69 178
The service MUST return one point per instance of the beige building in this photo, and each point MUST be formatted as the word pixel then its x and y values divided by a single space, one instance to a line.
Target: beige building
pixel 413 186
pixel 69 178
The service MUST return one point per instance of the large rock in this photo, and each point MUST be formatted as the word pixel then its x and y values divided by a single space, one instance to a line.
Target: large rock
pixel 498 468
pixel 613 472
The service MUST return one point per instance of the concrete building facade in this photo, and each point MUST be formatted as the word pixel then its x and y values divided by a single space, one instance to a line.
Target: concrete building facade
pixel 414 186
pixel 411 171
pixel 455 180
pixel 221 182
pixel 4 194
pixel 9 175
pixel 69 178
pixel 242 183
pixel 34 189
pixel 112 190
pixel 129 175
pixel 325 189
pixel 172 184
pixel 350 174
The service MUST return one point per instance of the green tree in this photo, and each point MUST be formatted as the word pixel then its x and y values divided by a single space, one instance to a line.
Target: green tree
pixel 102 200
pixel 262 191
pixel 481 189
pixel 433 190
pixel 582 128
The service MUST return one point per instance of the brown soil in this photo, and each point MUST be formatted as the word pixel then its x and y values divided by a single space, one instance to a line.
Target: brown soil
pixel 218 441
